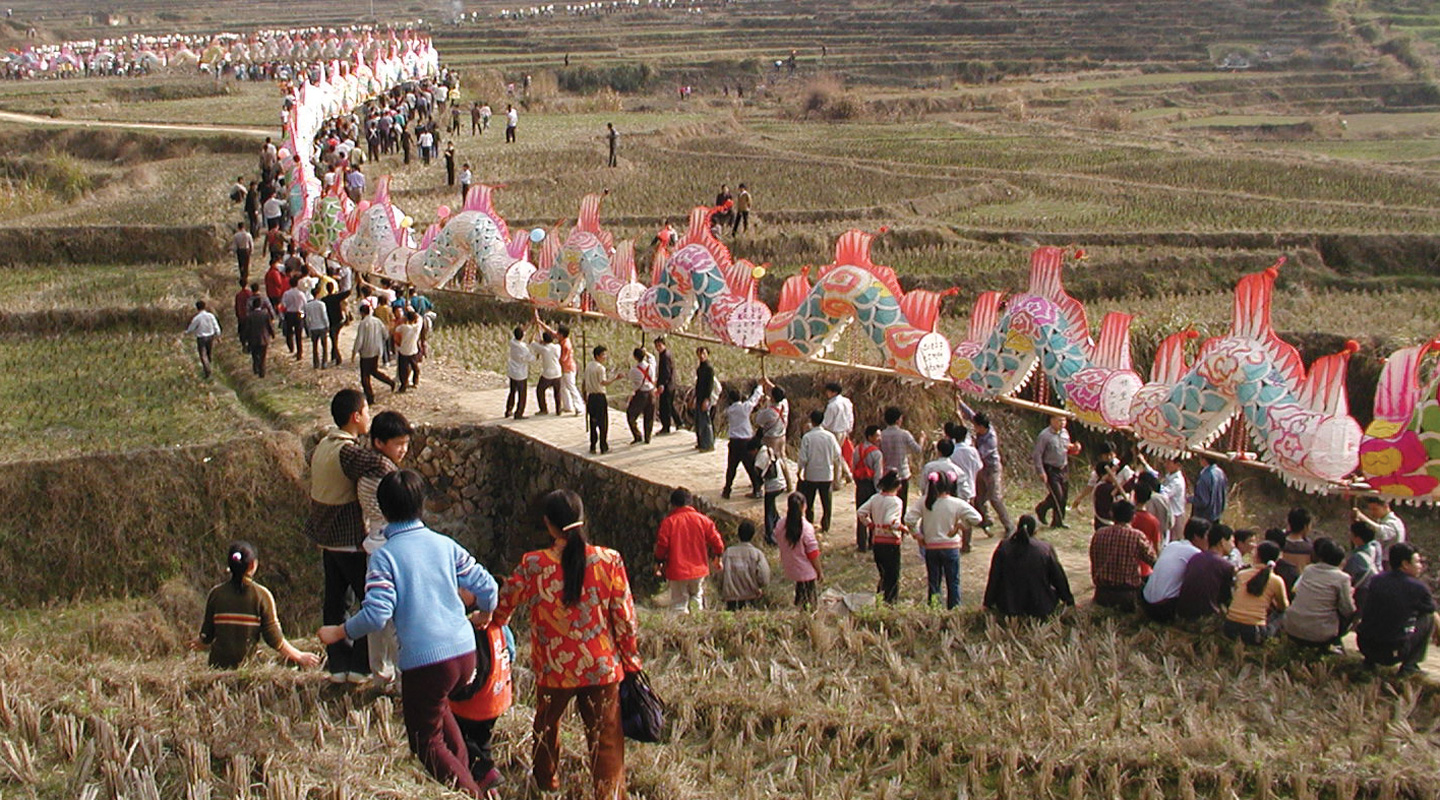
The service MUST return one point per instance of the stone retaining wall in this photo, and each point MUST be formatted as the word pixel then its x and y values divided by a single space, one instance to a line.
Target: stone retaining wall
pixel 487 481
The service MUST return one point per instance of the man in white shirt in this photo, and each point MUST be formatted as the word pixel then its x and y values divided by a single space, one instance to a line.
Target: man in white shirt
pixel 317 326
pixel 407 350
pixel 597 405
pixel 272 210
pixel 966 457
pixel 642 400
pixel 512 120
pixel 1163 587
pixel 293 302
pixel 840 418
pixel 517 369
pixel 1172 493
pixel 820 463
pixel 737 419
pixel 548 353
pixel 466 178
pixel 243 244
pixel 1389 528
pixel 370 336
pixel 945 451
pixel 206 329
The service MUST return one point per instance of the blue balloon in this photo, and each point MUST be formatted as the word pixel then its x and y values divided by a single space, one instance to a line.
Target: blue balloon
pixel 537 235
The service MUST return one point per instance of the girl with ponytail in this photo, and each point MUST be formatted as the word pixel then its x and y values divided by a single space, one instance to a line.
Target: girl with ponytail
pixel 582 640
pixel 239 612
pixel 1257 609
pixel 1026 579
pixel 943 527
pixel 799 550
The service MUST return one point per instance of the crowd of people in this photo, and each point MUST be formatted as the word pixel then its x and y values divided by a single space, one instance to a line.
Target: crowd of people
pixel 404 604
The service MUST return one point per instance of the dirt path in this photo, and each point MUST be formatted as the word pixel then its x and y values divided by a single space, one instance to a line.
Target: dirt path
pixel 33 119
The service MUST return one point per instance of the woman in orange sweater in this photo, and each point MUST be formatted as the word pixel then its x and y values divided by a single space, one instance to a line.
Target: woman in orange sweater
pixel 1260 599
pixel 582 641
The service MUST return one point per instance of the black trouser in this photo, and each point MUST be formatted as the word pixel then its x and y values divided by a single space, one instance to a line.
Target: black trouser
pixel 736 455
pixel 887 560
pixel 407 370
pixel 810 489
pixel 737 605
pixel 515 398
pixel 1163 611
pixel 1407 652
pixel 551 385
pixel 370 367
pixel 317 346
pixel 864 490
pixel 464 190
pixel 1122 598
pixel 509 133
pixel 904 494
pixel 642 404
pixel 597 409
pixel 1057 486
pixel 668 417
pixel 611 162
pixel 449 174
pixel 257 359
pixel 772 516
pixel 741 217
pixel 805 594
pixel 294 333
pixel 477 734
pixel 242 263
pixel 204 346
pixel 344 576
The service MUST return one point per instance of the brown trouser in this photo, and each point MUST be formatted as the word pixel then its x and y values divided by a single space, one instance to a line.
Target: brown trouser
pixel 600 711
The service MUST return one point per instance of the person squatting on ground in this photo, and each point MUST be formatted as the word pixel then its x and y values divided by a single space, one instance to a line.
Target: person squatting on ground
pixel 582 642
pixel 414 579
pixel 744 570
pixel 1026 579
pixel 240 612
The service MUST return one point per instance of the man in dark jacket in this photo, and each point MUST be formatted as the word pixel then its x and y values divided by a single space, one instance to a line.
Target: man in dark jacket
pixel 665 386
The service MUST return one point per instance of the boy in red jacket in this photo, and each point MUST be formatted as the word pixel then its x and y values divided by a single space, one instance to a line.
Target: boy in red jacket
pixel 688 541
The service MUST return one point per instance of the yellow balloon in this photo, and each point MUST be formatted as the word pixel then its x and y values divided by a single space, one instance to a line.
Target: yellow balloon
pixel 407 222
pixel 757 273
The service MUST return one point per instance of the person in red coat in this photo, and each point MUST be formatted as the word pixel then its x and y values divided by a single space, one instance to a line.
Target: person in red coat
pixel 687 544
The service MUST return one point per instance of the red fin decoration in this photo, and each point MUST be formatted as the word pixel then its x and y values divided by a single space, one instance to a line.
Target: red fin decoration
pixel 1046 266
pixel 794 291
pixel 657 264
pixel 549 251
pixel 429 236
pixel 1324 387
pixel 589 220
pixel 853 248
pixel 1170 361
pixel 985 317
pixel 1252 321
pixel 482 199
pixel 1399 384
pixel 922 307
pixel 1113 350
pixel 622 264
pixel 519 247
pixel 382 191
pixel 698 232
pixel 740 278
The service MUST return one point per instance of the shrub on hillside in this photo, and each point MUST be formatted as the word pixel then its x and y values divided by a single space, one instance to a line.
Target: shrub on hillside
pixel 826 98
pixel 628 78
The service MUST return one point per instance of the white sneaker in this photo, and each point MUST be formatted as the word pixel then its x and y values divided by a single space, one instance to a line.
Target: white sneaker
pixel 337 677
pixel 356 677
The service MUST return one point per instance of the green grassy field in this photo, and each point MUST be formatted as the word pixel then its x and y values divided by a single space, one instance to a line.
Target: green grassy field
pixel 104 391
pixel 49 287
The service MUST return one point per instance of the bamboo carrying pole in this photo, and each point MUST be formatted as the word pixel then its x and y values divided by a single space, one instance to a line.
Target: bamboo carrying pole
pixel 1334 487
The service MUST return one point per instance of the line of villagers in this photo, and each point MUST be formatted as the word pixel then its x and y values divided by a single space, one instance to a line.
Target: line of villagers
pixel 433 622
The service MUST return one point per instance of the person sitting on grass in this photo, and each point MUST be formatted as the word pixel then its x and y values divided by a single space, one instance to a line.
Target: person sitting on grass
pixel 1399 619
pixel 744 571
pixel 1287 571
pixel 1026 579
pixel 1365 560
pixel 239 612
pixel 1260 599
pixel 799 550
pixel 1158 598
pixel 1209 578
pixel 1324 603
